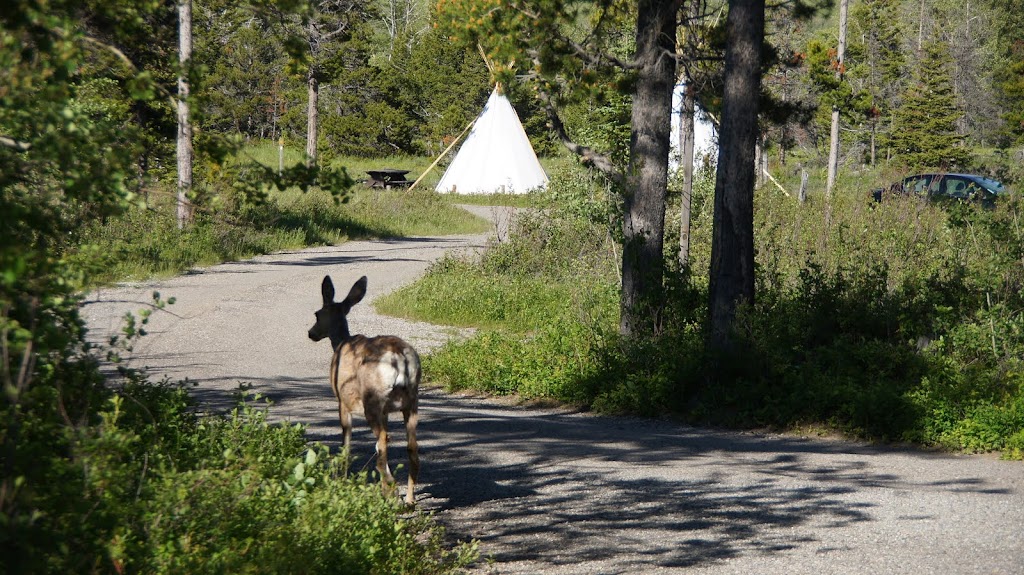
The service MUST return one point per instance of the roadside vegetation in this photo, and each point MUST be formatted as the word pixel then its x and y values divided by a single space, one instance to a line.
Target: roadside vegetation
pixel 847 336
pixel 898 321
pixel 109 471
pixel 129 474
pixel 143 242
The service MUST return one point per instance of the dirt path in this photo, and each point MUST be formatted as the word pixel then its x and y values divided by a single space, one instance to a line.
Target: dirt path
pixel 550 491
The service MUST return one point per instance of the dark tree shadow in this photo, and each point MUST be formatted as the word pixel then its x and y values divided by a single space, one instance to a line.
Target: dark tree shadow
pixel 561 489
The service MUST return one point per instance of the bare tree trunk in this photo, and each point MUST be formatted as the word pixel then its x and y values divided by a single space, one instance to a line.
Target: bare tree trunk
pixel 803 185
pixel 762 166
pixel 643 222
pixel 732 243
pixel 758 174
pixel 686 137
pixel 833 152
pixel 833 148
pixel 782 145
pixel 184 149
pixel 874 136
pixel 312 117
pixel 920 28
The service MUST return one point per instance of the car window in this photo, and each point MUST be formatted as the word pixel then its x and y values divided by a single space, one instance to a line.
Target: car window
pixel 916 184
pixel 992 186
pixel 960 188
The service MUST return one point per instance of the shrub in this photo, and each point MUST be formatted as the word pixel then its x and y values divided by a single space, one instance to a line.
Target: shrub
pixel 155 488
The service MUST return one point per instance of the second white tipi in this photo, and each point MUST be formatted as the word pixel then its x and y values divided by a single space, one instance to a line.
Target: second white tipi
pixel 496 157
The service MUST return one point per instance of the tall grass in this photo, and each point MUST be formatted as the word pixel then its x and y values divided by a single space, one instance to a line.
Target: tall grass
pixel 146 242
pixel 899 321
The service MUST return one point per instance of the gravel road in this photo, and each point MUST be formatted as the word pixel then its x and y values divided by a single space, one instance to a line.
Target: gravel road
pixel 553 491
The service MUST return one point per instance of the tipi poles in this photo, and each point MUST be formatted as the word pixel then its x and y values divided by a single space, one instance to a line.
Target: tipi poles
pixel 443 154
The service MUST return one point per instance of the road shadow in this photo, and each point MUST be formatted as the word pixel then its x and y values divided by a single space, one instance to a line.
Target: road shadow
pixel 629 495
pixel 565 492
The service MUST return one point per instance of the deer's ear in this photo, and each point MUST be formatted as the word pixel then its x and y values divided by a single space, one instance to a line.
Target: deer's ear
pixel 327 290
pixel 355 295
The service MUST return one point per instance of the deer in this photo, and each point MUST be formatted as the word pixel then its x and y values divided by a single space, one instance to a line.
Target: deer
pixel 378 375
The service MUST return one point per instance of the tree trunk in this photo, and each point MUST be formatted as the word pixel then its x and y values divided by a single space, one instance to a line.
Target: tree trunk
pixel 686 138
pixel 758 174
pixel 833 152
pixel 312 119
pixel 874 134
pixel 833 147
pixel 184 149
pixel 643 223
pixel 920 28
pixel 732 243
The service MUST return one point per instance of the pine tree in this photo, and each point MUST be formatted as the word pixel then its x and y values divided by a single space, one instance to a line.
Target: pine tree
pixel 881 62
pixel 1009 79
pixel 924 126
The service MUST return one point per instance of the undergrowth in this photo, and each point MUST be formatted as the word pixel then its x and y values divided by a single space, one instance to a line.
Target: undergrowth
pixel 151 486
pixel 145 242
pixel 923 347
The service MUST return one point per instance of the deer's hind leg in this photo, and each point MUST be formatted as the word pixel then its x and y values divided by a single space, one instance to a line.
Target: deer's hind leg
pixel 379 425
pixel 345 416
pixel 411 419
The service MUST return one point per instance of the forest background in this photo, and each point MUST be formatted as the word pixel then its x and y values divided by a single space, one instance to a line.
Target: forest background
pixel 901 321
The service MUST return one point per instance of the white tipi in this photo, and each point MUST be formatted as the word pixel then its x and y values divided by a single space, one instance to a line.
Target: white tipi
pixel 496 156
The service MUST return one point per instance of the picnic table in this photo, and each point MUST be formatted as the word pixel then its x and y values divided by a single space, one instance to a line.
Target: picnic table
pixel 388 178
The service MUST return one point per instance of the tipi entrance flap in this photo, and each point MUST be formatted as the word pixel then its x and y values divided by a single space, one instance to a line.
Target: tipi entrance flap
pixel 496 156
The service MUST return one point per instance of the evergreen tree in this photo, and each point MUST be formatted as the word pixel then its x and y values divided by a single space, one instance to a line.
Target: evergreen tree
pixel 246 85
pixel 832 90
pixel 877 38
pixel 1009 81
pixel 924 126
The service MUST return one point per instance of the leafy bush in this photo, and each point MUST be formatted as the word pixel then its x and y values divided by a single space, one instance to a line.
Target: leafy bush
pixel 155 488
pixel 548 363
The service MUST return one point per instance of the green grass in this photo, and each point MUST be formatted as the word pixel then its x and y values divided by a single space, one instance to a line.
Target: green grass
pixel 146 242
pixel 457 292
pixel 266 153
pixel 512 200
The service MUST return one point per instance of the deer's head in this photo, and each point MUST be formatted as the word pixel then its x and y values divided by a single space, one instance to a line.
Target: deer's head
pixel 331 318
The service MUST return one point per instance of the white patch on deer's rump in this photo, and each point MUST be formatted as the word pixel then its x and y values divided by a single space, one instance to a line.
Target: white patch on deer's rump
pixel 390 369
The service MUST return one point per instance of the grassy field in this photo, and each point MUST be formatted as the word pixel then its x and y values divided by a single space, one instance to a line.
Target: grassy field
pixel 145 242
pixel 267 153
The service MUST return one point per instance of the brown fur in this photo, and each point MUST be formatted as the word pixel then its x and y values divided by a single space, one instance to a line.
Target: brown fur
pixel 375 375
